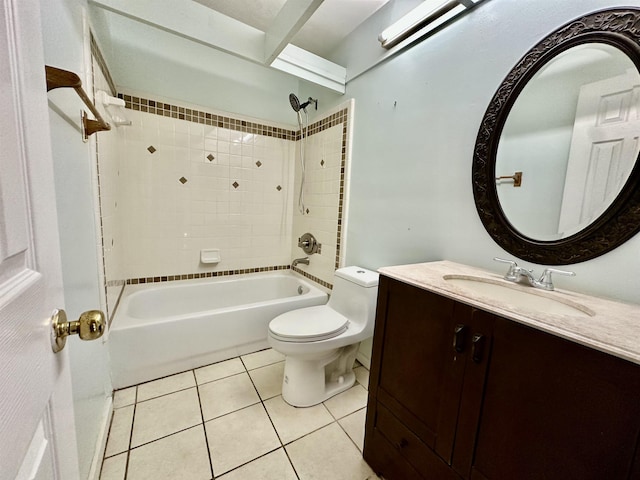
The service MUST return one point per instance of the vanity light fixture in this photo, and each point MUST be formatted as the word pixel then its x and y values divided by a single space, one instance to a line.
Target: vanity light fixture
pixel 425 17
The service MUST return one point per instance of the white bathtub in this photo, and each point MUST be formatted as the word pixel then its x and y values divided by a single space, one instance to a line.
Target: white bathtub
pixel 164 328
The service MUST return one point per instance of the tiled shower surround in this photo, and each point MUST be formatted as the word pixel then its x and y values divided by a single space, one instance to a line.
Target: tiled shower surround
pixel 189 179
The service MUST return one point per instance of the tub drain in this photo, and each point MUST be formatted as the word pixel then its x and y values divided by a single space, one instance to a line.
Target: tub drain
pixel 300 290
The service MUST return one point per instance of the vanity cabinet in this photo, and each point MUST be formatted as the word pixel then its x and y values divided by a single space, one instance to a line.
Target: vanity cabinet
pixel 458 392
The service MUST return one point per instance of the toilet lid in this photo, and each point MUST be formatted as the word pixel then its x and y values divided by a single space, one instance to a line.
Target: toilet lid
pixel 310 324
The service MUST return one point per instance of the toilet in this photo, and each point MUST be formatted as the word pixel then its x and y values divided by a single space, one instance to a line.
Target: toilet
pixel 320 343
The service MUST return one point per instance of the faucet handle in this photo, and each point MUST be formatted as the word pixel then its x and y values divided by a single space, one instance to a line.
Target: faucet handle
pixel 545 279
pixel 511 274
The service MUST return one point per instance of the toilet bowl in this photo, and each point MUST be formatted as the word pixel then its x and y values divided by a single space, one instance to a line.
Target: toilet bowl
pixel 320 343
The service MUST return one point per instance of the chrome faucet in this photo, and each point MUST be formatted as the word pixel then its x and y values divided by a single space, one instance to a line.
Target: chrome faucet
pixel 304 261
pixel 516 274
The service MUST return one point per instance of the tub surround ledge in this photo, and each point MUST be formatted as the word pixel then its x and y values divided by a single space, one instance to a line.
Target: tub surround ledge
pixel 611 327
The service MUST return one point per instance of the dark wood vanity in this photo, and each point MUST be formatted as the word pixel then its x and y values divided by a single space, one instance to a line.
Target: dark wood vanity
pixel 460 392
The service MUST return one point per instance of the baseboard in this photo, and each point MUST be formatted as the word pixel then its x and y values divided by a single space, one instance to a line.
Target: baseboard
pixel 364 360
pixel 101 442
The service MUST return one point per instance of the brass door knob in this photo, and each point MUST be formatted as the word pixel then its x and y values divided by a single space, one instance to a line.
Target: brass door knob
pixel 89 326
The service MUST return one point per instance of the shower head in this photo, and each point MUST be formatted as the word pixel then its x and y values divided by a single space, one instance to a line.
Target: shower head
pixel 297 106
pixel 295 103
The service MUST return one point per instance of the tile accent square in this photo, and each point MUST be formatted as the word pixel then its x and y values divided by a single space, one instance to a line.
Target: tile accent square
pixel 183 180
pixel 120 431
pixel 182 456
pixel 292 423
pixel 262 358
pixel 328 453
pixel 166 385
pixel 151 149
pixel 240 437
pixel 227 395
pixel 273 466
pixel 235 184
pixel 268 380
pixel 210 157
pixel 219 370
pixel 165 415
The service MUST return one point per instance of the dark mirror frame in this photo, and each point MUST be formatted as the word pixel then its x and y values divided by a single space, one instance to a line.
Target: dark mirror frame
pixel 618 27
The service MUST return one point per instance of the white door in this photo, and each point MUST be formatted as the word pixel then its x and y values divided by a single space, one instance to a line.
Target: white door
pixel 37 438
pixel 604 148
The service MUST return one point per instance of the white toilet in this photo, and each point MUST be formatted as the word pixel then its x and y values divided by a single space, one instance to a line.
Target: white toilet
pixel 320 343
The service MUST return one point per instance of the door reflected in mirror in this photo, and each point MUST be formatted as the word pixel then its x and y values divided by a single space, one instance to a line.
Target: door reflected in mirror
pixel 573 132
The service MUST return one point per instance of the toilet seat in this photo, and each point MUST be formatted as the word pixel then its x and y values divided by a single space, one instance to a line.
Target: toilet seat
pixel 308 325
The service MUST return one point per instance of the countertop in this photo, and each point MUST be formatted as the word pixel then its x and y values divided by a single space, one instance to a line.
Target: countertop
pixel 612 327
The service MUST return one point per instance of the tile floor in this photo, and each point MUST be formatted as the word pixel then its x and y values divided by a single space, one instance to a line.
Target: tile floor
pixel 228 421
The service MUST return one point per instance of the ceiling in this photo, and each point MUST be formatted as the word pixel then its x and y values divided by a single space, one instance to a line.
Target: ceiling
pixel 320 34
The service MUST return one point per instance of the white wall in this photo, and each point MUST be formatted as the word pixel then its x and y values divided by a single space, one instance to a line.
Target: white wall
pixel 159 63
pixel 418 116
pixel 74 168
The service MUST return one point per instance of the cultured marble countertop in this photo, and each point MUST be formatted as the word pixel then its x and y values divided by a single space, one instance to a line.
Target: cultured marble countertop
pixel 610 326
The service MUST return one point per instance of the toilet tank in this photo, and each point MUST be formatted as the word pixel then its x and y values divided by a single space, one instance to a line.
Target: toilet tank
pixel 354 295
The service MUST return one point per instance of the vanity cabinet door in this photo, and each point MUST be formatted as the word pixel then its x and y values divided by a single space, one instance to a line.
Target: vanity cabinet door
pixel 416 379
pixel 554 409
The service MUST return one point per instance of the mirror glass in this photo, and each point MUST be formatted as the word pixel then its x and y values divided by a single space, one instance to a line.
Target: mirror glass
pixel 573 134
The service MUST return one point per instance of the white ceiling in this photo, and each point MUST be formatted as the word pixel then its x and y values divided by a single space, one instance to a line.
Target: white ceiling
pixel 321 34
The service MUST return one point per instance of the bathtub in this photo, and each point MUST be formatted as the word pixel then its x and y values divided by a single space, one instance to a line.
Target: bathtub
pixel 164 328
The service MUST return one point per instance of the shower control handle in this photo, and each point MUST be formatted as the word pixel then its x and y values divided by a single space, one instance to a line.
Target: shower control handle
pixel 309 244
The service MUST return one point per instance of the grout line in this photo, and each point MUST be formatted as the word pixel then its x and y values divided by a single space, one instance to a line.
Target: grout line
pixel 204 428
pixel 272 424
pixel 133 418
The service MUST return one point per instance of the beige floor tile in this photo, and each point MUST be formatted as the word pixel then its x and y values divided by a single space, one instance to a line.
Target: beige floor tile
pixel 347 402
pixel 166 385
pixel 240 437
pixel 273 466
pixel 353 425
pixel 120 431
pixel 165 415
pixel 219 370
pixel 124 397
pixel 262 358
pixel 182 456
pixel 227 395
pixel 362 376
pixel 328 453
pixel 268 380
pixel 291 422
pixel 114 468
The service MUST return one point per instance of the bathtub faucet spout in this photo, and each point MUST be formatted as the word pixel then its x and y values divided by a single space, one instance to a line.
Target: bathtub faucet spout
pixel 304 261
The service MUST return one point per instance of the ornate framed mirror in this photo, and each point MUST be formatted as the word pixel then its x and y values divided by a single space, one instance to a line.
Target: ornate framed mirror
pixel 556 170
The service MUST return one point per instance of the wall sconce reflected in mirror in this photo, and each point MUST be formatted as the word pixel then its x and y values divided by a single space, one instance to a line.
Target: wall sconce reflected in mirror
pixel 426 17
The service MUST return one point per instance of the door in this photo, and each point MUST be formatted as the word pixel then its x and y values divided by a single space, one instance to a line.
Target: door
pixel 604 148
pixel 37 438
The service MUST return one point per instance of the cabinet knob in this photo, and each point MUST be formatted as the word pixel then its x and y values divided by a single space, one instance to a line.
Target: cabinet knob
pixel 458 337
pixel 402 443
pixel 477 348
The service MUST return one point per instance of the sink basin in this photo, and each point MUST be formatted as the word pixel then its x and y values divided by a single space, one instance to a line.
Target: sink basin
pixel 535 300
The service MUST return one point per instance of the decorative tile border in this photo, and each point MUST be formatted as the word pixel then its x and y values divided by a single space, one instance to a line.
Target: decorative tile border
pixel 190 276
pixel 313 278
pixel 197 116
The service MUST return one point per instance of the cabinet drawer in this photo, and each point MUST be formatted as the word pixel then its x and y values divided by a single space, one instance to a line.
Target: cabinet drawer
pixel 410 447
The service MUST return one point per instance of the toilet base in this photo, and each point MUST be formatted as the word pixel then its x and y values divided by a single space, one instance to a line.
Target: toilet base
pixel 308 382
